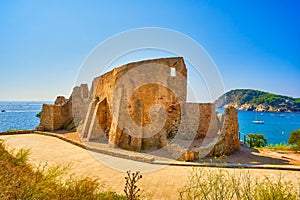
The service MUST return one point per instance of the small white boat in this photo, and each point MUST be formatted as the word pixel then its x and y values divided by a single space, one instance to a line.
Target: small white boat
pixel 258 122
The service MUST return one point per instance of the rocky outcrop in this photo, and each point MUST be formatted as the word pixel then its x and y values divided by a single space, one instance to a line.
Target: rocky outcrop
pixel 257 108
pixel 142 106
pixel 255 100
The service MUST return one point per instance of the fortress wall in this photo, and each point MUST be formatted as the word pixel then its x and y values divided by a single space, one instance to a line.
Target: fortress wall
pixel 66 113
pixel 138 105
pixel 143 111
pixel 206 119
pixel 80 99
pixel 199 120
pixel 57 116
pixel 104 117
pixel 51 117
pixel 46 122
pixel 105 84
pixel 230 142
pixel 230 131
pixel 139 100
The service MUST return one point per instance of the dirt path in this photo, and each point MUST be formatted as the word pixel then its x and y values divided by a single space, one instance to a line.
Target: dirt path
pixel 163 183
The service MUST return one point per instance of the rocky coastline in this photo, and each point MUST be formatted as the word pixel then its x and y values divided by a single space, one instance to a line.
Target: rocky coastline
pixel 257 108
pixel 260 101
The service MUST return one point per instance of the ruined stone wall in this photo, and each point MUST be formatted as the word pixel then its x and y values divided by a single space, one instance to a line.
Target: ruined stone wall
pixel 67 113
pixel 81 99
pixel 117 91
pixel 104 118
pixel 199 120
pixel 129 104
pixel 142 106
pixel 105 85
pixel 55 117
pixel 47 115
pixel 207 119
pixel 229 142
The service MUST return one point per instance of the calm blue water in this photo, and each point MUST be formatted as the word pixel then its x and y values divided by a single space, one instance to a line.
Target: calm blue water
pixel 19 115
pixel 277 126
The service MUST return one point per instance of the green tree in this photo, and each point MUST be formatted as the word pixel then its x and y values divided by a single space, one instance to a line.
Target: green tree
pixel 39 114
pixel 256 140
pixel 294 140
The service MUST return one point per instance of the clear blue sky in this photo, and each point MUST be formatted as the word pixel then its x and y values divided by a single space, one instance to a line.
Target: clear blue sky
pixel 255 44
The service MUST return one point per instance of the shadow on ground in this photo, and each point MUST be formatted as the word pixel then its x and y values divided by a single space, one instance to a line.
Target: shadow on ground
pixel 248 155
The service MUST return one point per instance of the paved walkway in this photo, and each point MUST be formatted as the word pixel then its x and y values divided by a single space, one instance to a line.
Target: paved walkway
pixel 160 180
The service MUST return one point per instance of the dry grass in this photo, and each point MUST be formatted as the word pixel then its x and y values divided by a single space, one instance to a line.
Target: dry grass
pixel 19 181
pixel 281 146
pixel 209 184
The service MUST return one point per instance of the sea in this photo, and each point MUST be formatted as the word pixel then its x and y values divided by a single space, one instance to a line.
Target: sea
pixel 277 127
pixel 20 115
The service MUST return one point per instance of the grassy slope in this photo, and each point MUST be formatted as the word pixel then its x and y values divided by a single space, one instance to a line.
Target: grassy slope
pixel 18 180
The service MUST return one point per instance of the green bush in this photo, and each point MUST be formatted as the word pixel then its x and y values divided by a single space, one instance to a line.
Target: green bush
pixel 256 140
pixel 39 114
pixel 294 140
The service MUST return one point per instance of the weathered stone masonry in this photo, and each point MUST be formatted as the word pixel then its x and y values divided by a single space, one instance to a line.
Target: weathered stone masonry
pixel 126 106
pixel 57 116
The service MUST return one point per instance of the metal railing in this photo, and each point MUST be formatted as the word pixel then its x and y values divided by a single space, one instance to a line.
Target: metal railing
pixel 243 137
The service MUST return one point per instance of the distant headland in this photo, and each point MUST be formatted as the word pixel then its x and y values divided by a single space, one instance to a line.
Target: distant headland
pixel 255 100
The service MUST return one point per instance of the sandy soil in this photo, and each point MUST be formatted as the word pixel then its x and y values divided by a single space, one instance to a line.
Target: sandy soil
pixel 70 135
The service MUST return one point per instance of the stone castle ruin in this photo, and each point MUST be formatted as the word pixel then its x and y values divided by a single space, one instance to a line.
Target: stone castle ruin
pixel 142 106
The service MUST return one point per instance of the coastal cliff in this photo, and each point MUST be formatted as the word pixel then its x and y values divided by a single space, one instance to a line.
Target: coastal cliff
pixel 255 100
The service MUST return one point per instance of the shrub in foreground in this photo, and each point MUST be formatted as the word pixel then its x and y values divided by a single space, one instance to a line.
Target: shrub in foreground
pixel 294 140
pixel 218 184
pixel 18 180
pixel 256 140
pixel 131 189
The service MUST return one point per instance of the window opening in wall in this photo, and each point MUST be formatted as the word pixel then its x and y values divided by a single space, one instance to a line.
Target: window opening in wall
pixel 173 72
